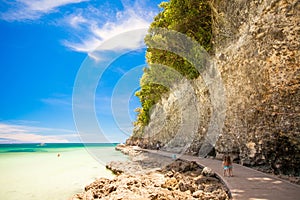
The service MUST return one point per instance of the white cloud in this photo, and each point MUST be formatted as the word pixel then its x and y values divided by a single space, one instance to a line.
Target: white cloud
pixel 46 5
pixel 33 134
pixel 33 9
pixel 58 100
pixel 31 138
pixel 87 45
pixel 118 31
pixel 127 33
pixel 90 25
pixel 76 20
pixel 129 22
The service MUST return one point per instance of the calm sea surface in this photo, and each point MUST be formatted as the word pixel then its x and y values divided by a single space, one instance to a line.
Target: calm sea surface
pixel 52 171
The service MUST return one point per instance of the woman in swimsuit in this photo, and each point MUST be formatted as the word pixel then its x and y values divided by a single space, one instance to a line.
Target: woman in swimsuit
pixel 227 165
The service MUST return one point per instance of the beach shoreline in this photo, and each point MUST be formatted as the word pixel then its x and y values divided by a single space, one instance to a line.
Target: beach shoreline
pixel 33 171
pixel 149 176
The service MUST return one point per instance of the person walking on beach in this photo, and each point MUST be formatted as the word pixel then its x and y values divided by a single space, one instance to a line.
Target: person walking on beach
pixel 227 165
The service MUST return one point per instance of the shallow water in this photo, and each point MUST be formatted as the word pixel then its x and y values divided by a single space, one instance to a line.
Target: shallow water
pixel 56 173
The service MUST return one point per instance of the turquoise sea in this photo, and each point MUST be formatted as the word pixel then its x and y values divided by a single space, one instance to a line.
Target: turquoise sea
pixel 52 171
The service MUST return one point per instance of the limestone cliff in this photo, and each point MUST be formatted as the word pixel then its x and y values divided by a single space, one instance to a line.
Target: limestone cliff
pixel 257 53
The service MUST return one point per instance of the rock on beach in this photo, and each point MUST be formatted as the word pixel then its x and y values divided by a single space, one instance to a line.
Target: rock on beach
pixel 153 177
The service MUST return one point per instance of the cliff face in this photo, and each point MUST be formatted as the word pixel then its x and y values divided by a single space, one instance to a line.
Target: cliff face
pixel 257 53
pixel 261 72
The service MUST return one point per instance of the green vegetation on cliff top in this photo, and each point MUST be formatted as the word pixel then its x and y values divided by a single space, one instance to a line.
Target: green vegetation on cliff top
pixel 190 17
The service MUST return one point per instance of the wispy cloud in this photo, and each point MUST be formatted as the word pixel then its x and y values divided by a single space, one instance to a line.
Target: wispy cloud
pixel 46 5
pixel 90 24
pixel 121 30
pixel 31 138
pixel 58 100
pixel 20 10
pixel 75 21
pixel 34 134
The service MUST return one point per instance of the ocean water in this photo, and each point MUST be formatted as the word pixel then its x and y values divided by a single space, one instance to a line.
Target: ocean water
pixel 52 171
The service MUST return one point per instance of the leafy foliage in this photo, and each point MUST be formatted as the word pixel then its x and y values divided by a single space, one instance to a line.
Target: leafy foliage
pixel 190 17
pixel 149 95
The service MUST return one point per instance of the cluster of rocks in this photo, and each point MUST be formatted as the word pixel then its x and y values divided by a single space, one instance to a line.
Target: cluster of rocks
pixel 131 150
pixel 144 143
pixel 155 177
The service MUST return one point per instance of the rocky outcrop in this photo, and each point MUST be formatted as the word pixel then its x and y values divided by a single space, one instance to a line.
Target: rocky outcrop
pixel 179 180
pixel 257 54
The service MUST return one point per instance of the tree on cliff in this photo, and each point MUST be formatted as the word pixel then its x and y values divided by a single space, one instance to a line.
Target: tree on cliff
pixel 190 17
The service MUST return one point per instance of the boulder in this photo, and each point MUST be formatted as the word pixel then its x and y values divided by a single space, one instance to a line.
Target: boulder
pixel 208 172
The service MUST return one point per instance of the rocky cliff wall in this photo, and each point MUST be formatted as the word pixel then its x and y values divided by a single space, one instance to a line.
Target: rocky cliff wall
pixel 260 68
pixel 257 53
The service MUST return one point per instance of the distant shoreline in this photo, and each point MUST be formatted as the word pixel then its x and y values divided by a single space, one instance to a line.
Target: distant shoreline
pixel 61 143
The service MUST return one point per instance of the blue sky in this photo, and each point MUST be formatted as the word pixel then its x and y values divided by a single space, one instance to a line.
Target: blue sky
pixel 53 49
